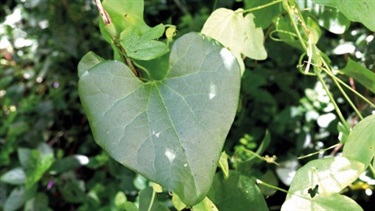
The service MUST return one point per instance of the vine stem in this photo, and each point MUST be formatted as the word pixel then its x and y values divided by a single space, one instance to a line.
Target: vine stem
pixel 338 111
pixel 114 36
pixel 152 200
pixel 294 11
pixel 258 181
pixel 314 153
pixel 262 6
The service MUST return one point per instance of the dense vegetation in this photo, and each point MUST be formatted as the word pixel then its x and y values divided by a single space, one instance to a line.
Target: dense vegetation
pixel 49 159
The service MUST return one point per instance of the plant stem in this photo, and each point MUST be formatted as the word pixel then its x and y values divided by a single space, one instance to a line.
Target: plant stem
pixel 314 153
pixel 338 111
pixel 152 200
pixel 261 6
pixel 103 13
pixel 258 181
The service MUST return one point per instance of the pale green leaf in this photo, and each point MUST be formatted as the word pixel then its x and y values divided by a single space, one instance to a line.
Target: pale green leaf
pixel 321 177
pixel 236 32
pixel 142 46
pixel 205 205
pixel 333 201
pixel 358 11
pixel 15 200
pixel 223 164
pixel 361 74
pixel 318 180
pixel 15 177
pixel 177 203
pixel 360 144
pixel 171 131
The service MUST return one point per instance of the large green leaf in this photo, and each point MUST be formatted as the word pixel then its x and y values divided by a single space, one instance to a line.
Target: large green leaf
pixel 359 10
pixel 237 32
pixel 323 177
pixel 361 141
pixel 172 130
pixel 361 74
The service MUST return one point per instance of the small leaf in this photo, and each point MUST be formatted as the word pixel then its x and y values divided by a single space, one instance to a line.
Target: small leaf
pixel 177 203
pixel 15 200
pixel 15 177
pixel 120 200
pixel 236 32
pixel 148 201
pixel 360 145
pixel 223 164
pixel 142 45
pixel 37 203
pixel 205 205
pixel 359 10
pixel 361 74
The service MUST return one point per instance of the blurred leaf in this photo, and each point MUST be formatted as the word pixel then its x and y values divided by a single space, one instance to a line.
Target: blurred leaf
pixel 361 74
pixel 236 32
pixel 148 201
pixel 360 145
pixel 73 191
pixel 270 178
pixel 68 163
pixel 333 20
pixel 25 158
pixel 223 164
pixel 343 132
pixel 177 203
pixel 120 200
pixel 15 200
pixel 264 16
pixel 205 205
pixel 37 203
pixel 184 110
pixel 358 11
pixel 15 177
pixel 238 192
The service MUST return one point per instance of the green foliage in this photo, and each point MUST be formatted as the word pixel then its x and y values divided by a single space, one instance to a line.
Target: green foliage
pixel 176 126
pixel 304 116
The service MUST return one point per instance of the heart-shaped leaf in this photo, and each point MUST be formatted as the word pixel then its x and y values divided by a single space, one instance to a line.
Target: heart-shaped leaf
pixel 171 130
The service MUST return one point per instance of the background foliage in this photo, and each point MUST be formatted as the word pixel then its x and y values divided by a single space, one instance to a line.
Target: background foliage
pixel 48 159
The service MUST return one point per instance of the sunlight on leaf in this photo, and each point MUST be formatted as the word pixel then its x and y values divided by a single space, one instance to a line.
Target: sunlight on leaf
pixel 236 32
pixel 319 178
